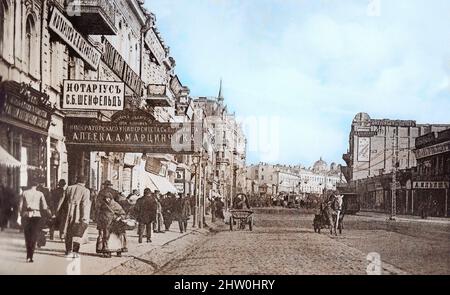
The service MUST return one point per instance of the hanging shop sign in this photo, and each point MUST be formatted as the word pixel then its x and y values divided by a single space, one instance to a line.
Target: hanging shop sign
pixel 132 131
pixel 433 150
pixel 64 29
pixel 115 61
pixel 425 140
pixel 393 123
pixel 93 95
pixel 152 41
pixel 431 185
pixel 25 107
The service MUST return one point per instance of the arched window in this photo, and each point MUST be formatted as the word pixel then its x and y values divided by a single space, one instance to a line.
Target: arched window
pixel 5 25
pixel 2 24
pixel 29 40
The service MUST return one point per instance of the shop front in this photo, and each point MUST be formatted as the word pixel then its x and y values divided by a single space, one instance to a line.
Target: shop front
pixel 25 118
pixel 125 150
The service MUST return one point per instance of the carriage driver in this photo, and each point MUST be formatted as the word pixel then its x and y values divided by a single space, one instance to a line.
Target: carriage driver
pixel 240 202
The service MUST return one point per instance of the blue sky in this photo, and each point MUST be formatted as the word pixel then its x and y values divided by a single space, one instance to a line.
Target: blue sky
pixel 302 69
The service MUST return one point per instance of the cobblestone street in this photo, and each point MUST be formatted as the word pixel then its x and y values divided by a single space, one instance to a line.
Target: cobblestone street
pixel 284 242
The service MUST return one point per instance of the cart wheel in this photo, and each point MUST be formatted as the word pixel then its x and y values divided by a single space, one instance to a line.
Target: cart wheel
pixel 250 224
pixel 231 223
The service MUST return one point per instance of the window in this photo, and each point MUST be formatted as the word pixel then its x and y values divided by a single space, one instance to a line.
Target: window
pixel 31 54
pixel 2 24
pixel 6 29
pixel 28 42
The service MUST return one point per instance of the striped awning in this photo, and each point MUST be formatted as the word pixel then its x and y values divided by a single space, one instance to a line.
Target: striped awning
pixel 6 159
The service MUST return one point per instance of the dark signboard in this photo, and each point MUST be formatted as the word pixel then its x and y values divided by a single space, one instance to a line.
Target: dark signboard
pixel 133 131
pixel 20 104
pixel 366 133
pixel 425 140
pixel 118 65
pixel 393 123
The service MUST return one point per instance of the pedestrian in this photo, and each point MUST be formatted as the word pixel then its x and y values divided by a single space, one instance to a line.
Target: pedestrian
pixel 32 206
pixel 57 195
pixel 145 211
pixel 167 210
pixel 93 200
pixel 108 188
pixel 110 229
pixel 159 217
pixel 182 212
pixel 76 219
pixel 219 208
pixel 7 201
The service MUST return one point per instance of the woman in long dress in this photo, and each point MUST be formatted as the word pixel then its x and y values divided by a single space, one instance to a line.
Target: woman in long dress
pixel 111 229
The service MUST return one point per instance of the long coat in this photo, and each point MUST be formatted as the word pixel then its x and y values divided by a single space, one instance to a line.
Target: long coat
pixel 77 197
pixel 145 209
pixel 182 209
pixel 107 213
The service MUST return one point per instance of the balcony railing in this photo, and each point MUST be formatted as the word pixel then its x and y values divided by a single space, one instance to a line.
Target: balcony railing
pixel 93 17
pixel 223 161
pixel 157 96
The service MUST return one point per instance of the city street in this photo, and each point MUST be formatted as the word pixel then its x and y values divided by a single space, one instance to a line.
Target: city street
pixel 283 242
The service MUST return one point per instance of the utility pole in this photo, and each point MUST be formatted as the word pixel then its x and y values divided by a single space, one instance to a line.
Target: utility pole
pixel 394 175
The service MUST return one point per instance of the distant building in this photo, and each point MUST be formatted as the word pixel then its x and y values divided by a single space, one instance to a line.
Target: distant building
pixel 371 143
pixel 370 159
pixel 275 180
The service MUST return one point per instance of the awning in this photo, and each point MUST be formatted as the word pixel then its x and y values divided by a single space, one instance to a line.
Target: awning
pixel 7 160
pixel 155 182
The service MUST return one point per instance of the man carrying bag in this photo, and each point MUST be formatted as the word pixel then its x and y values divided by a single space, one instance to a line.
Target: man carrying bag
pixel 75 223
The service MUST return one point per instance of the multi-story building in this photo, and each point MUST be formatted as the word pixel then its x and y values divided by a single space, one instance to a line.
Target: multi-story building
pixel 431 180
pixel 377 150
pixel 275 180
pixel 373 142
pixel 229 146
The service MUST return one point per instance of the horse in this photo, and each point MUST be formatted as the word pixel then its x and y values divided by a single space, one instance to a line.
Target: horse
pixel 334 212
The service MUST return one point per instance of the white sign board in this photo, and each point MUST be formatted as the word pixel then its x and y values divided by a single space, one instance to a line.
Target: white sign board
pixel 93 95
pixel 363 149
pixel 64 28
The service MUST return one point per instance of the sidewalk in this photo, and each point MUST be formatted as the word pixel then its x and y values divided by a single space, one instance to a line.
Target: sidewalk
pixel 405 218
pixel 50 260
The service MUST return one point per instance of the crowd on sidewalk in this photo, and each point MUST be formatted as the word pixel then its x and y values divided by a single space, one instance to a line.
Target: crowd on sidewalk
pixel 40 212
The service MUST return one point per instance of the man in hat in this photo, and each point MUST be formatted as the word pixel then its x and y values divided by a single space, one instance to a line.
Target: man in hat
pixel 76 221
pixel 57 195
pixel 108 189
pixel 159 217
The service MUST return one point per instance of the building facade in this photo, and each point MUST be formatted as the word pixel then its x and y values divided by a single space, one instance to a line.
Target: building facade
pixel 383 152
pixel 89 87
pixel 271 181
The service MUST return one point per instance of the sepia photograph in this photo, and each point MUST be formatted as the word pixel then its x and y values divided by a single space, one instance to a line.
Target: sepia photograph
pixel 217 139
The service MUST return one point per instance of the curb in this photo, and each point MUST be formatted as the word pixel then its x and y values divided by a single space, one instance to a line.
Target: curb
pixel 153 261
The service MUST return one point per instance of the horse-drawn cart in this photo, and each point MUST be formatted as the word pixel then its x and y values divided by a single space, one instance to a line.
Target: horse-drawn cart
pixel 241 218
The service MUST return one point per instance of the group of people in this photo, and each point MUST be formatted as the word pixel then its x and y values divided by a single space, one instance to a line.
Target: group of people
pixel 69 211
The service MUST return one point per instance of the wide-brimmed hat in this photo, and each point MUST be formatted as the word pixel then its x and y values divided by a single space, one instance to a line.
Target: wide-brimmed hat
pixel 107 183
pixel 81 179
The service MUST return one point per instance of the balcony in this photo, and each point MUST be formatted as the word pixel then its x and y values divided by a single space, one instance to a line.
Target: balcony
pixel 222 161
pixel 93 17
pixel 157 96
pixel 347 158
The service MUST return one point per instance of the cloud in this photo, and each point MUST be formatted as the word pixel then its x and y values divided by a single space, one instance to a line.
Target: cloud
pixel 314 64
